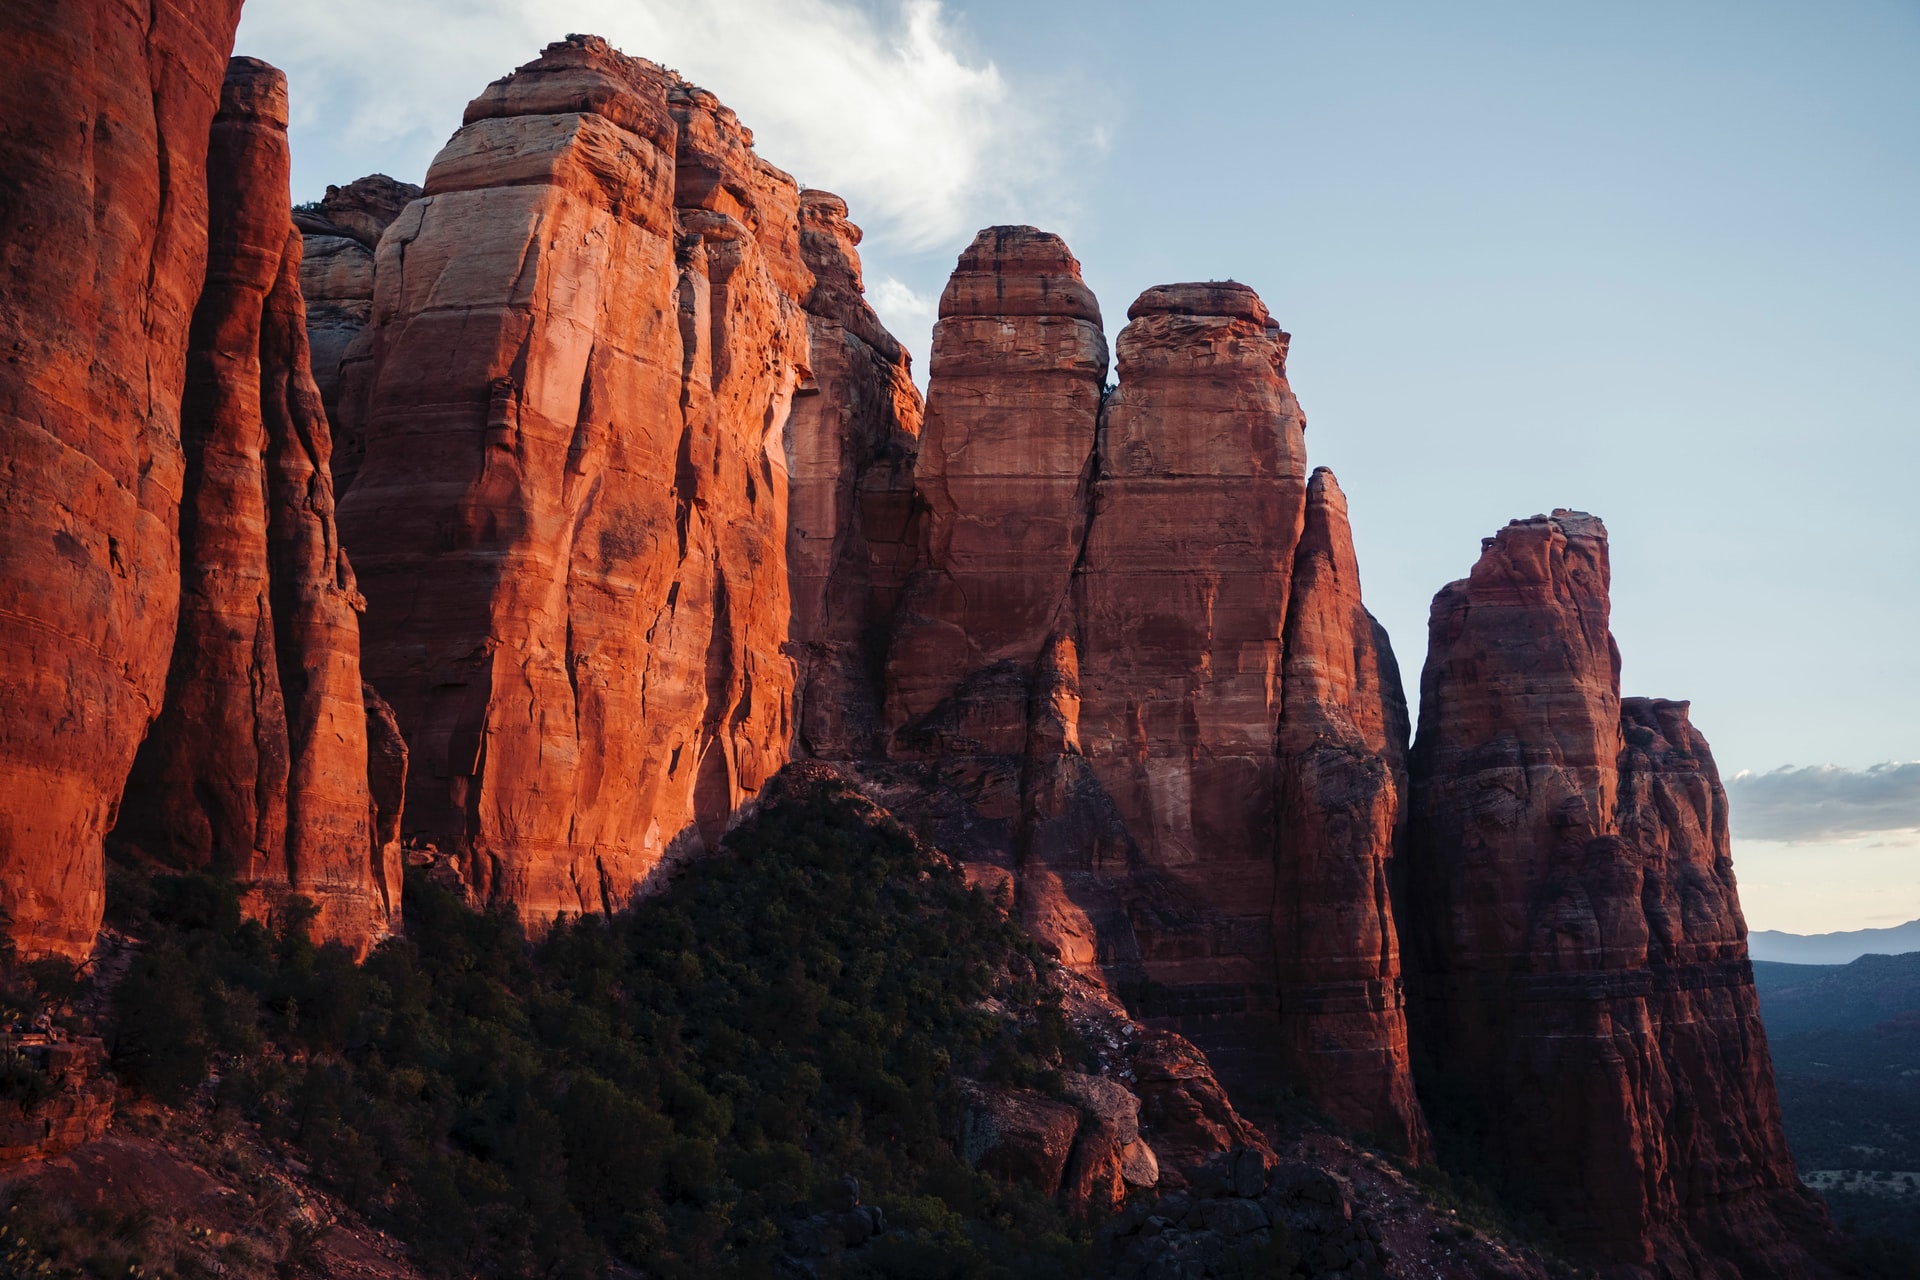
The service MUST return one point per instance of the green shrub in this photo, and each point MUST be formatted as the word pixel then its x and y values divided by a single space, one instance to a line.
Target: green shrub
pixel 670 1086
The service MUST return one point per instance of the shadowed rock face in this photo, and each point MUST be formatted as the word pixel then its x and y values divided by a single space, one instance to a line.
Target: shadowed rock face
pixel 1181 607
pixel 104 114
pixel 336 278
pixel 1340 792
pixel 571 519
pixel 257 765
pixel 850 446
pixel 1577 956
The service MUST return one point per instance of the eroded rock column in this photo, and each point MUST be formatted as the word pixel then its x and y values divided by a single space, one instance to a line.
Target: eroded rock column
pixel 257 765
pixel 1180 610
pixel 850 444
pixel 104 115
pixel 1341 786
pixel 1013 397
pixel 1576 954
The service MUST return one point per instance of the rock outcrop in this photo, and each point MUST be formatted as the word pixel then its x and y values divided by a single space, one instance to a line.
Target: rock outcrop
pixel 1088 660
pixel 850 449
pixel 1181 606
pixel 341 233
pixel 1342 788
pixel 1577 958
pixel 1013 398
pixel 104 114
pixel 570 523
pixel 257 765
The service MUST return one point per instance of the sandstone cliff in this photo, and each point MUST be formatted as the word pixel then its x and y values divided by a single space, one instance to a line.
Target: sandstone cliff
pixel 851 441
pixel 570 523
pixel 1342 788
pixel 336 279
pixel 1576 956
pixel 257 764
pixel 1013 397
pixel 104 114
pixel 1087 664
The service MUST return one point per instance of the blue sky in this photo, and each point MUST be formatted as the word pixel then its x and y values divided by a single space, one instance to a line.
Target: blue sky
pixel 1659 262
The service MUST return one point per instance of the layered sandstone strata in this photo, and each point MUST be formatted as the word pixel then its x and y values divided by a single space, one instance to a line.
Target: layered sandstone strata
pixel 1013 397
pixel 570 523
pixel 1181 606
pixel 1089 662
pixel 1341 788
pixel 1577 957
pixel 341 233
pixel 104 114
pixel 257 764
pixel 850 446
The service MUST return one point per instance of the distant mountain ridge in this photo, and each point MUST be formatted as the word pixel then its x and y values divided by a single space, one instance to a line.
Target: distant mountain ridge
pixel 1850 997
pixel 1833 948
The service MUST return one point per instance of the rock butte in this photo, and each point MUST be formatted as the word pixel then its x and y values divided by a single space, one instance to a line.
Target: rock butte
pixel 642 502
pixel 570 521
pixel 1576 956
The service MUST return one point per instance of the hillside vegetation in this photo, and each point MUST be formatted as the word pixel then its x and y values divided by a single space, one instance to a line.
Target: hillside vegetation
pixel 676 1086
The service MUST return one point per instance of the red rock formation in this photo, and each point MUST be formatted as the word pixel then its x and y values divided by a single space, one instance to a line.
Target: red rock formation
pixel 257 765
pixel 1013 396
pixel 1113 749
pixel 1577 958
pixel 336 279
pixel 850 446
pixel 1180 605
pixel 1342 779
pixel 104 113
pixel 571 518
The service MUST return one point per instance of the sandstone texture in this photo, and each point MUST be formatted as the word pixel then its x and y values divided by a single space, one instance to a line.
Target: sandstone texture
pixel 1577 958
pixel 1340 794
pixel 1013 398
pixel 1092 658
pixel 336 279
pixel 570 523
pixel 1182 604
pixel 104 115
pixel 79 1105
pixel 851 441
pixel 257 765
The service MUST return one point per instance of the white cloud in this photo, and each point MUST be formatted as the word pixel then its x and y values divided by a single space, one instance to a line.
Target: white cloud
pixel 1825 802
pixel 908 315
pixel 926 139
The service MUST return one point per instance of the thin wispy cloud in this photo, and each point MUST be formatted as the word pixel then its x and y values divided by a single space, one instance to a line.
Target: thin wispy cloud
pixel 1825 802
pixel 886 105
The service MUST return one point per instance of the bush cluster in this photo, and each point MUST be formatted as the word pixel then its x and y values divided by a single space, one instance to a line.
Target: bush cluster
pixel 669 1087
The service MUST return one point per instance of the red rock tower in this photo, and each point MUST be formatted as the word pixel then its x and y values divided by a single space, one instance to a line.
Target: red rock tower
pixel 1576 955
pixel 258 764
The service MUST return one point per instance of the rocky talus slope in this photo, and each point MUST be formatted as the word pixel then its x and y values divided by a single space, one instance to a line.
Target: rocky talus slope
pixel 103 242
pixel 1577 958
